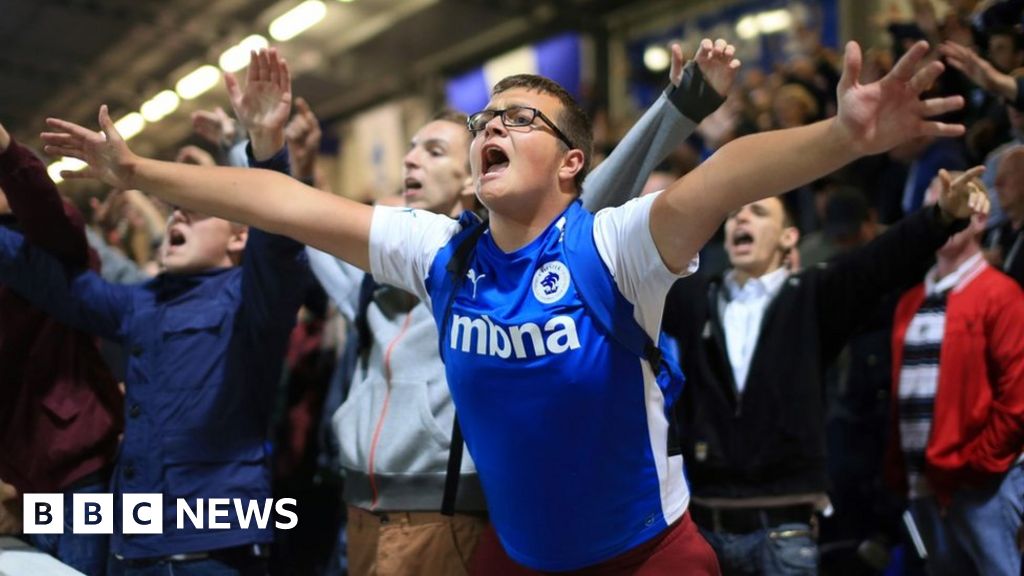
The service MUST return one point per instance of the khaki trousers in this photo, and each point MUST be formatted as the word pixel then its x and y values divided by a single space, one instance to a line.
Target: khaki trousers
pixel 410 543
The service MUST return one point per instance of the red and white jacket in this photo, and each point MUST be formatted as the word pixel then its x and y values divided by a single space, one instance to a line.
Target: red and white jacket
pixel 978 421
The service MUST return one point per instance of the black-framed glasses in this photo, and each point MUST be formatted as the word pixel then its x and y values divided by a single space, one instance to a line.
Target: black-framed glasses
pixel 514 117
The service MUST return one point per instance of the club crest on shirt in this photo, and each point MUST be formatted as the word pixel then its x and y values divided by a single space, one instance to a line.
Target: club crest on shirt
pixel 551 282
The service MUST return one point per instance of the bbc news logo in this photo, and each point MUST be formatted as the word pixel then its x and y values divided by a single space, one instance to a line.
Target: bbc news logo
pixel 144 513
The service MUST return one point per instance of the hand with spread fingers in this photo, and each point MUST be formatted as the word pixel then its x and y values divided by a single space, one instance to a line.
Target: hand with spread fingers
pixel 965 195
pixel 716 60
pixel 215 126
pixel 265 104
pixel 303 135
pixel 876 117
pixel 979 70
pixel 106 154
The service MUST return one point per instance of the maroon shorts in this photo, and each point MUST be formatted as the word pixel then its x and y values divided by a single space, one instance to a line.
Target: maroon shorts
pixel 679 549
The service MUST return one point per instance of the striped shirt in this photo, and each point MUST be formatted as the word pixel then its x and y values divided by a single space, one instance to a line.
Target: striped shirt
pixel 919 374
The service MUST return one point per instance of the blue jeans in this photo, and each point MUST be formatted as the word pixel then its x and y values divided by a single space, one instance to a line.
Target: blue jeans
pixel 86 553
pixel 206 567
pixel 978 533
pixel 784 550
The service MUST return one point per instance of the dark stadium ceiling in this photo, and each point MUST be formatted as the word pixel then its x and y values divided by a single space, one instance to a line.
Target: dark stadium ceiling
pixel 65 57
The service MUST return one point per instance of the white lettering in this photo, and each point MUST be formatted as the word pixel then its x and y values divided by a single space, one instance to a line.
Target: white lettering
pixel 218 509
pixel 500 345
pixel 564 337
pixel 253 510
pixel 293 518
pixel 535 337
pixel 559 335
pixel 469 326
pixel 143 513
pixel 196 516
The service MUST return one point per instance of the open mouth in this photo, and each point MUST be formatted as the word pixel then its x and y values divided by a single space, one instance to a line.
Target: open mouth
pixel 494 160
pixel 412 184
pixel 176 237
pixel 742 239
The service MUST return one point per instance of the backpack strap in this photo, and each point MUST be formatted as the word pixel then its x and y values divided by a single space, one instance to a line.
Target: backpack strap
pixel 613 314
pixel 456 269
pixel 596 288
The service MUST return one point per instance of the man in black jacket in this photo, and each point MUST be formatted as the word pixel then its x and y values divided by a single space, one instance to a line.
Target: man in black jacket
pixel 755 345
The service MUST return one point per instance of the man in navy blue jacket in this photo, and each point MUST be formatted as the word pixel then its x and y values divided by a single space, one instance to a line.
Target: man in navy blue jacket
pixel 206 341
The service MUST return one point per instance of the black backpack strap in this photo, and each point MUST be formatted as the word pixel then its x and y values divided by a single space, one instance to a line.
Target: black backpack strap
pixel 451 477
pixel 612 314
pixel 457 268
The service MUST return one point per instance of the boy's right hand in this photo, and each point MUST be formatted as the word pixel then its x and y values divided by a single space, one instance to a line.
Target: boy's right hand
pixel 265 104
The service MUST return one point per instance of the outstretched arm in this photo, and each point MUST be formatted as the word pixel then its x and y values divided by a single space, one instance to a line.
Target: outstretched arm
pixel 858 280
pixel 872 118
pixel 267 200
pixel 689 98
pixel 81 300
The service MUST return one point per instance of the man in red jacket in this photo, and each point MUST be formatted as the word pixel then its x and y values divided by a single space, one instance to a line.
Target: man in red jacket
pixel 60 410
pixel 958 422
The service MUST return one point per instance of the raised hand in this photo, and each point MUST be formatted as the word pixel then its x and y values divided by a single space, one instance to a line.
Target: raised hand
pixel 264 106
pixel 979 70
pixel 107 213
pixel 965 195
pixel 303 136
pixel 106 154
pixel 876 117
pixel 215 126
pixel 716 61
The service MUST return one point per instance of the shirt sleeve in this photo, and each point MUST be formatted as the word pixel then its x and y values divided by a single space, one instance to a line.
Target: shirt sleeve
pixel 271 269
pixel 403 244
pixel 624 241
pixel 47 221
pixel 80 299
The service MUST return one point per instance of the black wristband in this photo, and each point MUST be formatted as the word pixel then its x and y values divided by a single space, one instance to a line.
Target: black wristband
pixel 694 97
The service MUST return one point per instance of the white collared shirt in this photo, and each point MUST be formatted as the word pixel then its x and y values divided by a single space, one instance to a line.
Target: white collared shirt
pixel 969 268
pixel 742 317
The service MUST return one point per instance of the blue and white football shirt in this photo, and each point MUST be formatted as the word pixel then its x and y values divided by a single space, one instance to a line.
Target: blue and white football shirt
pixel 567 428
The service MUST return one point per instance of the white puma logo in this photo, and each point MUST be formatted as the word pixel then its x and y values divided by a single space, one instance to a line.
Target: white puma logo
pixel 474 279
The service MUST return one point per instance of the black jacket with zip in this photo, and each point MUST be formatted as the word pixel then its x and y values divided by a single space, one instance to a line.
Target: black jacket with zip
pixel 770 440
